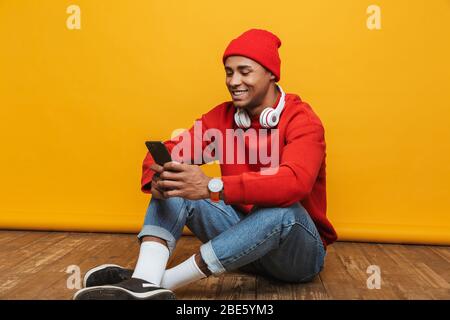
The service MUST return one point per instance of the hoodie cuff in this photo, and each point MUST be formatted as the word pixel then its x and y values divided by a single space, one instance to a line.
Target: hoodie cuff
pixel 233 189
pixel 146 182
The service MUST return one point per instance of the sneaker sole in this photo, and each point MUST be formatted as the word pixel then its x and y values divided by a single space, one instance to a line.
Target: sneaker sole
pixel 118 293
pixel 98 268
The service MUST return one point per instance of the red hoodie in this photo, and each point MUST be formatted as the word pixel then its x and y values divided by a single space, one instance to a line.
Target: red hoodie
pixel 301 172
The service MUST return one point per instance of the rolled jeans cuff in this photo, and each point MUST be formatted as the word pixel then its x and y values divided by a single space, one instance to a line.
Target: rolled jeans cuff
pixel 210 258
pixel 156 231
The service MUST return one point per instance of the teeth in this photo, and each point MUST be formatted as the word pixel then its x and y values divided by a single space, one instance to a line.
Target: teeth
pixel 239 92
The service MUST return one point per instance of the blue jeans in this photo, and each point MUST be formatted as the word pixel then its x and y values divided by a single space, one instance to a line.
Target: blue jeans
pixel 281 243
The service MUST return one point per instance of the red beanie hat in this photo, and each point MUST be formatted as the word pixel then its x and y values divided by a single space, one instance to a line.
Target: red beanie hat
pixel 259 45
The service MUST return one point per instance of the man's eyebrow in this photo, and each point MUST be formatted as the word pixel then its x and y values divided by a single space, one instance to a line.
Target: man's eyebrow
pixel 240 67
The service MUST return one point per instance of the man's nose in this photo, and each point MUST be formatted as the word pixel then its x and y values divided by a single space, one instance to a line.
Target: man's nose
pixel 235 80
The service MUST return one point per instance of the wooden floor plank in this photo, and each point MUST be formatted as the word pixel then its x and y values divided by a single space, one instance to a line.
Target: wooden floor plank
pixel 33 266
pixel 359 258
pixel 405 275
pixel 8 236
pixel 311 291
pixel 234 285
pixel 33 285
pixel 430 270
pixel 17 251
pixel 83 251
pixel 391 275
pixel 443 252
pixel 22 243
pixel 268 289
pixel 431 264
pixel 17 264
pixel 335 277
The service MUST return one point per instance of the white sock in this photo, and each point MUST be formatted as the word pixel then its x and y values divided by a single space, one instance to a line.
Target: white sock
pixel 184 273
pixel 152 262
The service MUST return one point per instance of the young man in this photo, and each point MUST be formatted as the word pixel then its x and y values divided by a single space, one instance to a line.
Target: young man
pixel 271 223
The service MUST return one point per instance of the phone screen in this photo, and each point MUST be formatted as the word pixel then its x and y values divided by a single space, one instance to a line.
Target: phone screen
pixel 159 152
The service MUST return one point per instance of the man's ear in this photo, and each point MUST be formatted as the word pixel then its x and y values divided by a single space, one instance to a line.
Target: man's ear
pixel 272 77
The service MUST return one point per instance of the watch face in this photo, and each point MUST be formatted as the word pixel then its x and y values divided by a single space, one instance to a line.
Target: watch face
pixel 215 185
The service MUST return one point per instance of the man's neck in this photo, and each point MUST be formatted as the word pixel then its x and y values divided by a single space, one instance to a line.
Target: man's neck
pixel 269 100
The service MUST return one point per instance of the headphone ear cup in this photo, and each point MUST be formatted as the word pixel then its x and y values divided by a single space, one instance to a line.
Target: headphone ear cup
pixel 237 119
pixel 242 119
pixel 262 118
pixel 272 118
pixel 245 119
pixel 269 118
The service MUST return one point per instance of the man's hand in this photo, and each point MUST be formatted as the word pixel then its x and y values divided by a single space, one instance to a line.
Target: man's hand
pixel 155 191
pixel 181 180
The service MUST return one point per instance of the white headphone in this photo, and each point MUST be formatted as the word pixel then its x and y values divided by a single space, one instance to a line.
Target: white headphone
pixel 268 119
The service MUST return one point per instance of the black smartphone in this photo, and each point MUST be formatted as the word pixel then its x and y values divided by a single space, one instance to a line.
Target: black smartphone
pixel 159 152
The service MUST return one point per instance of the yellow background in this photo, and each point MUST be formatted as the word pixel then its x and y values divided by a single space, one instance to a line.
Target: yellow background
pixel 77 105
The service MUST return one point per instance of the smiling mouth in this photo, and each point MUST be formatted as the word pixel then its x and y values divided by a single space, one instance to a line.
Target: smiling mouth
pixel 238 93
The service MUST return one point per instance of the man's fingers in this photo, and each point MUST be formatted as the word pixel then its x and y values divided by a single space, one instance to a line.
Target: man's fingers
pixel 174 166
pixel 169 184
pixel 156 167
pixel 156 186
pixel 156 193
pixel 156 177
pixel 170 175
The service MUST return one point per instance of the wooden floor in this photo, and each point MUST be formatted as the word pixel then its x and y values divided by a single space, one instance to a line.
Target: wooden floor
pixel 33 265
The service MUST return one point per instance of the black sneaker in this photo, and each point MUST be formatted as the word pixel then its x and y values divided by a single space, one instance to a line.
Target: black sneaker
pixel 106 274
pixel 131 289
